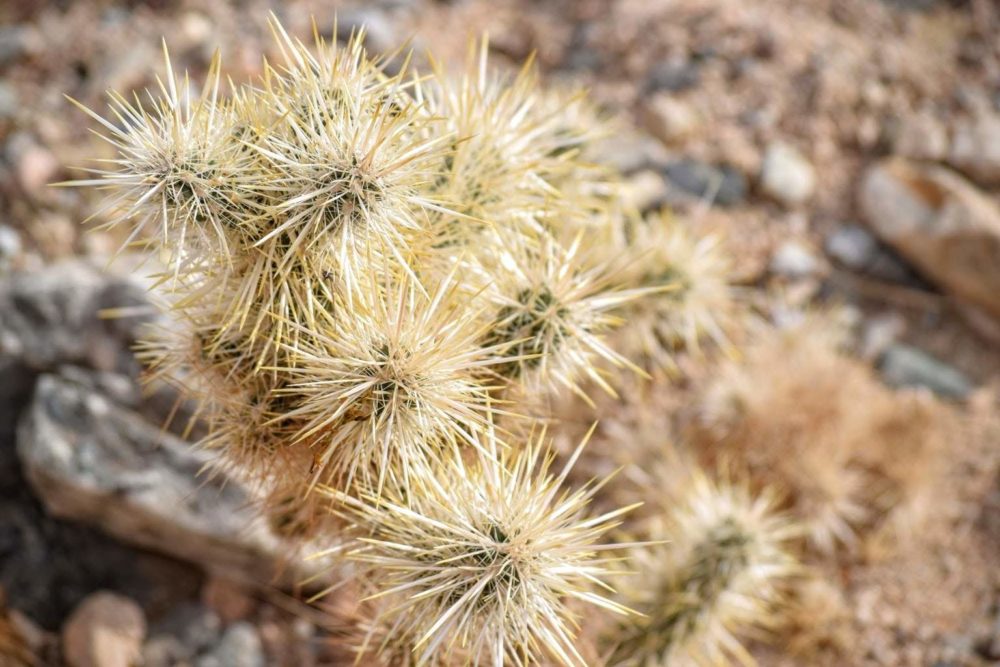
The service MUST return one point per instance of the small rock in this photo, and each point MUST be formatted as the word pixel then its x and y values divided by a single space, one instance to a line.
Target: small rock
pixel 786 175
pixel 34 165
pixel 975 148
pixel 905 366
pixel 195 627
pixel 941 223
pixel 8 101
pixel 583 52
pixel 227 599
pixel 669 119
pixel 12 44
pixel 380 35
pixel 674 75
pixel 644 190
pixel 853 246
pixel 240 647
pixel 105 630
pixel 920 137
pixel 195 27
pixel 628 153
pixel 10 247
pixel 880 333
pixel 723 185
pixel 794 260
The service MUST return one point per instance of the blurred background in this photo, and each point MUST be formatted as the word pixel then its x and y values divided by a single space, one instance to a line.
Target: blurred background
pixel 847 150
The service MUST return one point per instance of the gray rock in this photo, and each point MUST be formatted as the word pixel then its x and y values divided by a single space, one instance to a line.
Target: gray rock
pixel 674 74
pixel 90 459
pixel 786 175
pixel 380 34
pixel 53 317
pixel 975 148
pixel 12 44
pixel 583 53
pixel 906 366
pixel 10 247
pixel 240 647
pixel 8 101
pixel 914 5
pixel 941 223
pixel 722 185
pixel 194 626
pixel 855 248
pixel 794 260
pixel 164 652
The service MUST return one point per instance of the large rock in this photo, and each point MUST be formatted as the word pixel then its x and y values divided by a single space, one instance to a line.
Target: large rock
pixel 941 223
pixel 91 459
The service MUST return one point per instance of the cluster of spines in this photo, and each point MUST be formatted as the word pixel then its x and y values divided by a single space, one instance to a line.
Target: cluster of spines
pixel 718 577
pixel 493 552
pixel 364 272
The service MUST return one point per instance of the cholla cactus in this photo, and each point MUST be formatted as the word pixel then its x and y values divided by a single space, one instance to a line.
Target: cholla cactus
pixel 719 578
pixel 695 302
pixel 482 561
pixel 362 270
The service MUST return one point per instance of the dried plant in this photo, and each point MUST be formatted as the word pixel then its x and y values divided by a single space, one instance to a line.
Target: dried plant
pixel 804 415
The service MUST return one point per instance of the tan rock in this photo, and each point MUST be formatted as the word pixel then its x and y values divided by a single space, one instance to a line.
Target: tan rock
pixel 668 119
pixel 921 137
pixel 941 223
pixel 105 630
pixel 36 166
pixel 786 175
pixel 975 148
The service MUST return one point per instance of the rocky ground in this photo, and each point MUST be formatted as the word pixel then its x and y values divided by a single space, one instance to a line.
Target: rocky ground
pixel 849 151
